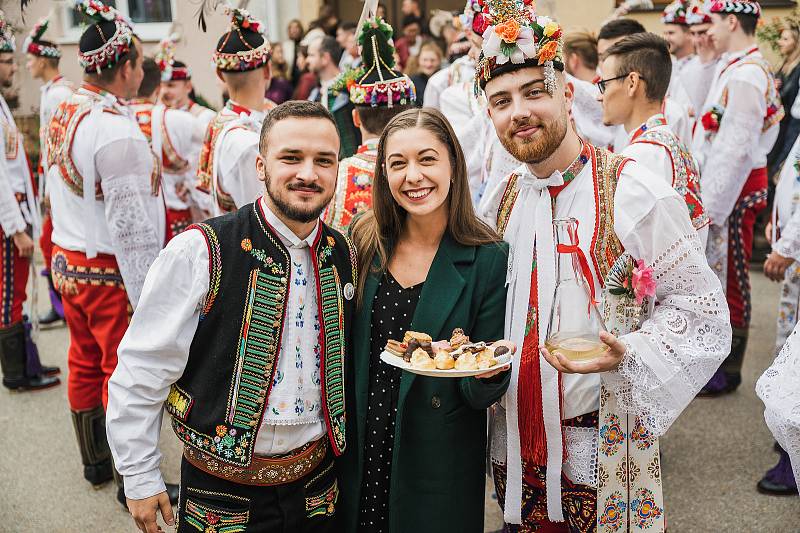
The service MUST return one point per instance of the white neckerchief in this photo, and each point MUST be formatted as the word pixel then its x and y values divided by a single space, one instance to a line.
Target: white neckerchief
pixel 525 239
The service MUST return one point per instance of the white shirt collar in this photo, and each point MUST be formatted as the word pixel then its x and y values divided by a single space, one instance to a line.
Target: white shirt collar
pixel 287 236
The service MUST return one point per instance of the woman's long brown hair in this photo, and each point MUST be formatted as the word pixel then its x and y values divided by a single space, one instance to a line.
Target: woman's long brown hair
pixel 375 231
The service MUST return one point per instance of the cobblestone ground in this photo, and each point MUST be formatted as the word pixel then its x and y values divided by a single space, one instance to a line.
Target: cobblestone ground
pixel 712 457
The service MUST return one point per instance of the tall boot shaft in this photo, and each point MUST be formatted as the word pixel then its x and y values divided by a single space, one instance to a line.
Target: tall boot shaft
pixel 12 352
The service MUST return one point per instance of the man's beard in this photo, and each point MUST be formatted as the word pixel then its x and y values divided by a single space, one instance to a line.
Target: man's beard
pixel 536 149
pixel 299 213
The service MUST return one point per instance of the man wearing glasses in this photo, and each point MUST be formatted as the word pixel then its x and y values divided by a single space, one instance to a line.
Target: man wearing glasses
pixel 636 73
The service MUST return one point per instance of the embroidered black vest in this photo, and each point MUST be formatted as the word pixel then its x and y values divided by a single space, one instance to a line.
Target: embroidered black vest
pixel 218 404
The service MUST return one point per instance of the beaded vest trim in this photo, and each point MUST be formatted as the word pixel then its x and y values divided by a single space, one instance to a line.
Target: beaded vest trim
pixel 353 189
pixel 214 266
pixel 61 136
pixel 606 247
pixel 170 160
pixel 685 174
pixel 205 179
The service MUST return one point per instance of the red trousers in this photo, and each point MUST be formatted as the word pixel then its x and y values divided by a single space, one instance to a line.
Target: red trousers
pixel 97 312
pixel 740 246
pixel 177 221
pixel 46 240
pixel 14 271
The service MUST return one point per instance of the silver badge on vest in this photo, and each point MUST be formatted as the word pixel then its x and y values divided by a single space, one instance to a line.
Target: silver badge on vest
pixel 349 291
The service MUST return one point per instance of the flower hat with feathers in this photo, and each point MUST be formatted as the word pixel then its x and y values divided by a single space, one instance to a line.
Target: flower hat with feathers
pixel 475 16
pixel 516 37
pixel 113 46
pixel 34 44
pixel 675 13
pixel 697 14
pixel 6 35
pixel 165 59
pixel 236 51
pixel 376 83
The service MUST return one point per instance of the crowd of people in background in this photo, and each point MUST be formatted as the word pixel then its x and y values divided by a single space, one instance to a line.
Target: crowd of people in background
pixel 364 178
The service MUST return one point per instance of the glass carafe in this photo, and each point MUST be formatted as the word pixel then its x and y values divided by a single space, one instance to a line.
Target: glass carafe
pixel 575 322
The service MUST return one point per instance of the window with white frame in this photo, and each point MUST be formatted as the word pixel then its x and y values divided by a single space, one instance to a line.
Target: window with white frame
pixel 152 18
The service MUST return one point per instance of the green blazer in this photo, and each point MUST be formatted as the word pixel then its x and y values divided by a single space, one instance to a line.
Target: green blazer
pixel 439 456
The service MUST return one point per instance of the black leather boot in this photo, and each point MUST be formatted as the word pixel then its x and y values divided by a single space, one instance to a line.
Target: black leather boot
pixel 90 430
pixel 13 360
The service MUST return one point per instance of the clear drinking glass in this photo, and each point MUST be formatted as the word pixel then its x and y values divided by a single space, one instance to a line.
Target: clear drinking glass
pixel 575 322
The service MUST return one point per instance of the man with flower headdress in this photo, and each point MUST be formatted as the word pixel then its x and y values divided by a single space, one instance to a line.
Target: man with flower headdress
pixel 173 135
pixel 108 219
pixel 43 60
pixel 230 147
pixel 676 32
pixel 567 434
pixel 19 218
pixel 737 128
pixel 177 92
pixel 378 92
pixel 698 74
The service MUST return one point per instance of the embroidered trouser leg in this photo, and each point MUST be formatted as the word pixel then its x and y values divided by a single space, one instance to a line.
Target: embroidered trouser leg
pixel 740 250
pixel 579 503
pixel 210 503
pixel 13 280
pixel 788 306
pixel 740 246
pixel 97 313
pixel 177 221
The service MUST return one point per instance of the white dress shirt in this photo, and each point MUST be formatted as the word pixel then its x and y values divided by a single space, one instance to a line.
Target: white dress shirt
pixel 154 352
pixel 15 178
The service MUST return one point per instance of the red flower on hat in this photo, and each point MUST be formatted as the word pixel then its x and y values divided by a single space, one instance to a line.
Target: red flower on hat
pixel 480 22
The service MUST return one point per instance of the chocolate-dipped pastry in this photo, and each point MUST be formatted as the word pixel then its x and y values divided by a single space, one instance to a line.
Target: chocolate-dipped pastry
pixel 501 350
pixel 458 338
pixel 413 344
pixel 428 348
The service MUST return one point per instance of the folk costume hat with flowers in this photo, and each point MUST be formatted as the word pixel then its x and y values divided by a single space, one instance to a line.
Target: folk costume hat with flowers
pixel 697 13
pixel 739 7
pixel 517 38
pixel 171 69
pixel 675 13
pixel 376 83
pixel 6 35
pixel 243 48
pixel 106 40
pixel 35 45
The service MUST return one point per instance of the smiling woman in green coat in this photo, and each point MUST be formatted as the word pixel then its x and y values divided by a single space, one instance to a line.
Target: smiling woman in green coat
pixel 415 459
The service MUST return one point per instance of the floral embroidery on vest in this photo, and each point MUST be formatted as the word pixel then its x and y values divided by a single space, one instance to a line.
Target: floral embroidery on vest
pixel 205 179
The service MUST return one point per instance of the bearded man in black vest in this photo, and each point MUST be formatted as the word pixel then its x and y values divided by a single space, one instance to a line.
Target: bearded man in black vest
pixel 241 332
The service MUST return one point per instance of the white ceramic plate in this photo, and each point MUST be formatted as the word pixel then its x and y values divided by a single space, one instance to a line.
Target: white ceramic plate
pixel 391 359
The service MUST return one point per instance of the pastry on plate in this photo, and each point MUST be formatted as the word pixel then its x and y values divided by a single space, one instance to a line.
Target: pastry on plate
pixel 467 361
pixel 458 338
pixel 421 360
pixel 486 356
pixel 444 361
pixel 420 337
pixel 396 348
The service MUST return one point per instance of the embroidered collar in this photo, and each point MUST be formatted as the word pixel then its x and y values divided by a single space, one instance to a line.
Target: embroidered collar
pixel 52 82
pixel 94 89
pixel 370 145
pixel 739 56
pixel 238 109
pixel 574 169
pixel 282 231
pixel 652 122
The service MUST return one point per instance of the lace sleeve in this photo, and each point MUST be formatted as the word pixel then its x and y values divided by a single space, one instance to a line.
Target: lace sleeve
pixel 125 167
pixel 789 243
pixel 687 334
pixel 729 159
pixel 779 389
